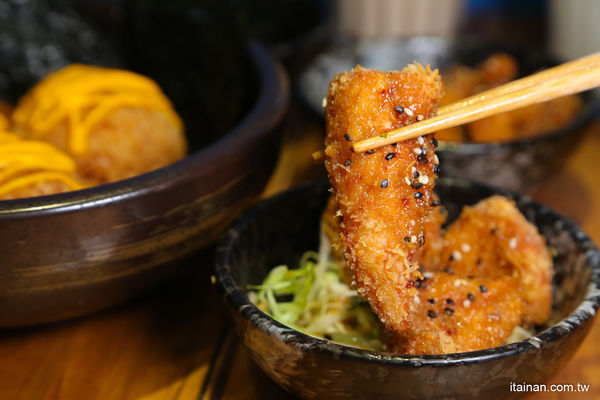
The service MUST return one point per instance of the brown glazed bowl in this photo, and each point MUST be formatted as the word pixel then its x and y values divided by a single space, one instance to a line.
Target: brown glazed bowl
pixel 69 254
pixel 514 165
pixel 280 229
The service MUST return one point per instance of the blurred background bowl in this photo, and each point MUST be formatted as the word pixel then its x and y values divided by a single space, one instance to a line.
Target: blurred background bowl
pixel 69 254
pixel 279 230
pixel 514 165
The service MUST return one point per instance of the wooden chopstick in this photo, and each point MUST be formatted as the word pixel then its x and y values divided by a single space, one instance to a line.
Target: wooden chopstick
pixel 528 81
pixel 563 81
pixel 568 78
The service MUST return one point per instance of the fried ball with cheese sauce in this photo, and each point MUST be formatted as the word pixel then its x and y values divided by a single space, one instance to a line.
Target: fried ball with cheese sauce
pixel 116 124
pixel 31 168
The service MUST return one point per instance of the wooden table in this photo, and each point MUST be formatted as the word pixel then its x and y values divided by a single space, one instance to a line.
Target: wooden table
pixel 174 343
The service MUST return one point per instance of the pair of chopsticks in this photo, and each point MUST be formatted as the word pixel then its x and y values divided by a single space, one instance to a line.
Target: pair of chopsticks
pixel 568 78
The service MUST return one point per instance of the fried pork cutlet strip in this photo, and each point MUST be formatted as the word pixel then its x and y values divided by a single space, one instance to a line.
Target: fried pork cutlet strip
pixel 458 314
pixel 493 239
pixel 382 196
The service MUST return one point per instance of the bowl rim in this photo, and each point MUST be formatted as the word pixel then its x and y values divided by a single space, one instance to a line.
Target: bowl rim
pixel 242 305
pixel 591 99
pixel 267 110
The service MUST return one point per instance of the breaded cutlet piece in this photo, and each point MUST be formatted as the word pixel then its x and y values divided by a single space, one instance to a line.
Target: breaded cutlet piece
pixel 382 196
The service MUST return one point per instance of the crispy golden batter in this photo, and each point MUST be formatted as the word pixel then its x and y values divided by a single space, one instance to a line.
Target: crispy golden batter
pixel 458 314
pixel 493 239
pixel 384 196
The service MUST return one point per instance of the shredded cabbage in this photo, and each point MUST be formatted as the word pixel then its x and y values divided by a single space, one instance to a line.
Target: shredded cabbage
pixel 314 299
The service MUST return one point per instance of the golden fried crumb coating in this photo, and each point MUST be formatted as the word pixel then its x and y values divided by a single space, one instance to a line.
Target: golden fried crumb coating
pixel 383 196
pixel 456 314
pixel 493 239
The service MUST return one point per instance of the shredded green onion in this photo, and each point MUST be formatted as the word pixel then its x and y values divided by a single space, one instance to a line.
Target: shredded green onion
pixel 314 299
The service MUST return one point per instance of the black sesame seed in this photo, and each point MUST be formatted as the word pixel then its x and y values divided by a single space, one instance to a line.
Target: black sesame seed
pixel 347 137
pixel 418 283
pixel 418 195
pixel 432 301
pixel 436 203
pixel 470 296
pixel 493 231
pixel 399 109
pixel 434 142
pixel 423 151
pixel 384 183
pixel 436 169
pixel 450 302
pixel 478 261
pixel 389 156
pixel 347 162
pixel 448 270
pixel 351 149
pixel 431 314
pixel 421 239
pixel 448 311
pixel 416 185
pixel 407 239
pixel 483 288
pixel 422 159
pixel 416 174
pixel 394 144
pixel 451 258
pixel 327 336
pixel 470 276
pixel 372 151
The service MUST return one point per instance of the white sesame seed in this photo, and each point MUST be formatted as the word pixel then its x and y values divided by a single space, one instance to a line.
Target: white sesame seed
pixel 457 255
pixel 413 169
pixel 465 247
pixel 417 151
pixel 407 180
pixel 420 117
pixel 409 112
pixel 459 282
pixel 413 239
pixel 512 243
pixel 424 179
pixel 428 274
pixel 436 160
pixel 417 300
pixel 466 303
pixel 420 140
pixel 412 222
pixel 324 102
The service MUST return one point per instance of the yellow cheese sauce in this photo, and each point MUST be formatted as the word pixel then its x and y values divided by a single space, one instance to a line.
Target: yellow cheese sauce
pixel 29 162
pixel 82 96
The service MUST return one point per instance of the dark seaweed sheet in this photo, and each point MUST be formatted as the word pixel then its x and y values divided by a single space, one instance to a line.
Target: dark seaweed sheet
pixel 38 37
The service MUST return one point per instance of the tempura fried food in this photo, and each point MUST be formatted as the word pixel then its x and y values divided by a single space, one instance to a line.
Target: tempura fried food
pixel 115 123
pixel 32 168
pixel 383 196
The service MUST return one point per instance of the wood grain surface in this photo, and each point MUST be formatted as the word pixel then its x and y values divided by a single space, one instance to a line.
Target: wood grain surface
pixel 173 343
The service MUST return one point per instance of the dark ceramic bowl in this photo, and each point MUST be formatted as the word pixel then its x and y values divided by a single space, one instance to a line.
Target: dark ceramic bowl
pixel 514 165
pixel 69 254
pixel 280 229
